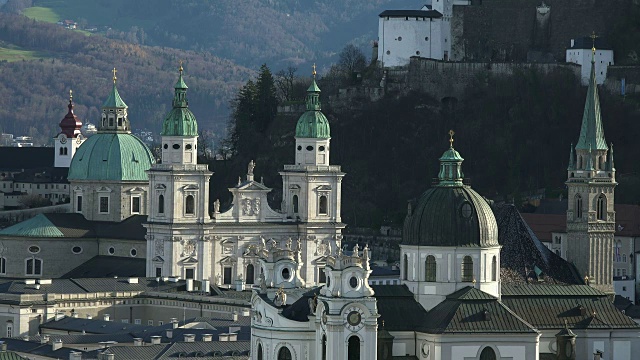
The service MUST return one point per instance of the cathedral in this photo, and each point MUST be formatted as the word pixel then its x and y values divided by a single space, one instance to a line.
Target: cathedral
pixel 475 282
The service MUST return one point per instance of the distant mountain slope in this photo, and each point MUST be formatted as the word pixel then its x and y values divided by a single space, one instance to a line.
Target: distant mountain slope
pixel 249 32
pixel 34 91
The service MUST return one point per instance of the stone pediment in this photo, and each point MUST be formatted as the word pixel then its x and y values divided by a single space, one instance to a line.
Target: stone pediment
pixel 161 187
pixel 324 188
pixel 158 259
pixel 135 190
pixel 228 260
pixel 322 260
pixel 189 260
pixel 190 187
pixel 252 186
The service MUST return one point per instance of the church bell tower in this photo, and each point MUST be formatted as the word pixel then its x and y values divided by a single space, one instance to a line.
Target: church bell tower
pixel 591 183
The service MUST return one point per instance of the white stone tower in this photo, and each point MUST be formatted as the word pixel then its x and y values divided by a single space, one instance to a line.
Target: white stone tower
pixel 347 314
pixel 312 187
pixel 69 139
pixel 591 183
pixel 179 199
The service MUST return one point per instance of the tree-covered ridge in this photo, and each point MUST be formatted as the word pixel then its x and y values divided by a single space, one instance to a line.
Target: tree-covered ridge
pixel 33 94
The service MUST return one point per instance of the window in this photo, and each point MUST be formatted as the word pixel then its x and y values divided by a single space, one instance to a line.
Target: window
pixel 190 205
pixel 34 266
pixel 284 354
pixel 578 206
pixel 323 205
pixel 353 282
pixel 430 268
pixel 3 265
pixel 34 249
pixel 286 273
pixel 488 354
pixel 160 322
pixel 249 278
pixel 189 273
pixel 150 322
pixel 322 277
pixel 295 204
pixel 227 276
pixel 161 204
pixel 9 329
pixel 135 204
pixel 260 352
pixel 104 205
pixel 494 268
pixel 601 210
pixel 112 250
pixel 624 257
pixel 324 347
pixel 125 321
pixel 137 321
pixel 406 267
pixel 76 250
pixel 133 252
pixel 353 348
pixel 467 269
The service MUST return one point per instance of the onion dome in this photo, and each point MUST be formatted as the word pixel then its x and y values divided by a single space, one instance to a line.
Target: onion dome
pixel 450 213
pixel 111 157
pixel 313 123
pixel 180 121
pixel 70 124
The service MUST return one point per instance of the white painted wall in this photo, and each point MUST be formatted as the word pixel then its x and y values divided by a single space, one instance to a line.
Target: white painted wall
pixel 399 39
pixel 582 57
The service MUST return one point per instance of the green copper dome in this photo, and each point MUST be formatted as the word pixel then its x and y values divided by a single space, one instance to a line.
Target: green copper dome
pixel 111 157
pixel 180 121
pixel 313 123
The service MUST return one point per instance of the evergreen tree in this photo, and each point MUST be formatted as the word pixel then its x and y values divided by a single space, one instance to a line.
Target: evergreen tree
pixel 266 100
pixel 242 127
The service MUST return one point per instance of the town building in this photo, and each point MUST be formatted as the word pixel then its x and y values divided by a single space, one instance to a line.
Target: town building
pixel 581 52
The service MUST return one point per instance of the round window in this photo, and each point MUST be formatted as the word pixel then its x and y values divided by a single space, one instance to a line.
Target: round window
pixel 466 210
pixel 426 38
pixel 388 52
pixel 166 146
pixel 418 52
pixel 353 282
pixel 112 250
pixel 76 249
pixel 188 146
pixel 399 38
pixel 133 252
pixel 286 273
pixel 321 148
pixel 176 146
pixel 309 148
pixel 299 147
pixel 34 249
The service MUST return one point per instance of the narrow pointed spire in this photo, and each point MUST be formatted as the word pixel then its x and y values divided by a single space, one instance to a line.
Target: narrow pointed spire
pixel 180 95
pixel 572 163
pixel 591 132
pixel 114 100
pixel 610 165
pixel 70 124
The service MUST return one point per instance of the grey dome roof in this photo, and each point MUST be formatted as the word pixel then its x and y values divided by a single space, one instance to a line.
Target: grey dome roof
pixel 450 216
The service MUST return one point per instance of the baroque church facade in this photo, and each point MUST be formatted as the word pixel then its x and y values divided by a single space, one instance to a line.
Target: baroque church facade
pixel 475 282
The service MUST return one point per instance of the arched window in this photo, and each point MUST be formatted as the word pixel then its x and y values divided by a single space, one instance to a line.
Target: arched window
pixel 578 206
pixel 260 352
pixel 467 269
pixel 324 347
pixel 353 349
pixel 323 205
pixel 61 151
pixel 161 204
pixel 284 353
pixel 494 268
pixel 34 267
pixel 190 205
pixel 406 267
pixel 295 204
pixel 250 274
pixel 66 151
pixel 602 207
pixel 430 268
pixel 488 354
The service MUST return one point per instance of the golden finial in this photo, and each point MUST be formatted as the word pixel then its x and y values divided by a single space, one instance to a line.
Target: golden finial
pixel 70 95
pixel 114 75
pixel 451 133
pixel 314 71
pixel 593 42
pixel 180 68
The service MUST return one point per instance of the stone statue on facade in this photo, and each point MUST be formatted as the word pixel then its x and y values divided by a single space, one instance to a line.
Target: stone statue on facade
pixel 216 206
pixel 263 284
pixel 281 298
pixel 299 245
pixel 250 167
pixel 289 243
pixel 356 250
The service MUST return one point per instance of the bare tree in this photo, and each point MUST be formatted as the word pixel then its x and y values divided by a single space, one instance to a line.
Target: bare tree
pixel 351 60
pixel 285 79
pixel 205 144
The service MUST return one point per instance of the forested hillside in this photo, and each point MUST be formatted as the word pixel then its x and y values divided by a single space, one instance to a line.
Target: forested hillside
pixel 33 91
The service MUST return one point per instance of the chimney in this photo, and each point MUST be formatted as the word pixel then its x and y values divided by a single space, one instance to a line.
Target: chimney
pixel 223 337
pixel 156 339
pixel 189 337
pixel 175 323
pixel 89 317
pixel 169 333
pixel 573 41
pixel 205 286
pixel 108 356
pixel 74 315
pixel 105 317
pixel 137 342
pixel 246 312
pixel 233 337
pixel 3 347
pixel 57 345
pixel 25 337
pixel 133 280
pixel 234 316
pixel 44 339
pixel 207 337
pixel 75 355
pixel 59 316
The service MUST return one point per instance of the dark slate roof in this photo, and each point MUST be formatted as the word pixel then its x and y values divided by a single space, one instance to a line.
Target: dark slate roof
pixel 109 266
pixel 547 307
pixel 411 13
pixel 207 349
pixel 121 338
pixel 398 308
pixel 78 286
pixel 91 326
pixel 10 355
pixel 34 348
pixel 136 352
pixel 470 310
pixel 299 310
pixel 14 158
pixel 130 228
pixel 587 43
pixel 524 258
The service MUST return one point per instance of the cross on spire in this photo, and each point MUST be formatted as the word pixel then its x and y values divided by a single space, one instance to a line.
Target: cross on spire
pixel 314 70
pixel 593 44
pixel 180 68
pixel 114 75
pixel 451 133
pixel 70 95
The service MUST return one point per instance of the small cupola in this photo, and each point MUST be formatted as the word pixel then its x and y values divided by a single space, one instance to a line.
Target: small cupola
pixel 114 112
pixel 450 166
pixel 180 121
pixel 70 124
